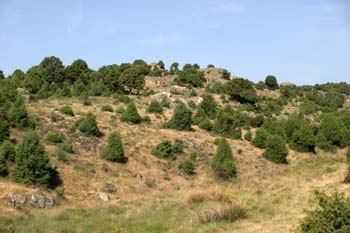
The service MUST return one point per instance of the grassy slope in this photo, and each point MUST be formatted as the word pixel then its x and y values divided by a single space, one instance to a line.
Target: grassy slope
pixel 275 195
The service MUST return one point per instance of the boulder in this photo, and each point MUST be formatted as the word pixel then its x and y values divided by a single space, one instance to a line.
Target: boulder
pixel 103 197
pixel 41 201
pixel 17 200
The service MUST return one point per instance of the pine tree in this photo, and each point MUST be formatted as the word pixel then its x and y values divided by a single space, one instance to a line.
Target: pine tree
pixel 182 118
pixel 276 150
pixel 32 163
pixel 222 163
pixel 114 150
pixel 131 114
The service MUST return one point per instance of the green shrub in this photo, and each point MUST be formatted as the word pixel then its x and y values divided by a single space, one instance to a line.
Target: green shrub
pixel 61 155
pixel 178 146
pixel 131 114
pixel 332 214
pixel 55 137
pixel 222 163
pixel 192 104
pixel 205 124
pixel 8 151
pixel 190 76
pixel 146 119
pixel 3 166
pixel 120 110
pixel 155 107
pixel 276 150
pixel 248 136
pixel 32 163
pixel 241 90
pixel 182 118
pixel 271 82
pixel 228 123
pixel 114 150
pixel 260 138
pixel 88 126
pixel 4 130
pixel 107 108
pixel 67 147
pixel 303 139
pixel 67 110
pixel 193 92
pixel 165 103
pixel 187 166
pixel 164 150
pixel 347 178
pixel 208 105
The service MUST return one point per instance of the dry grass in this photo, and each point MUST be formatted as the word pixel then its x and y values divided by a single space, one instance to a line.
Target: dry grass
pixel 230 213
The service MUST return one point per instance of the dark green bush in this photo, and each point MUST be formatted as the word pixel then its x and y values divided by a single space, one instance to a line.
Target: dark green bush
pixel 67 147
pixel 192 104
pixel 303 139
pixel 332 215
pixel 228 123
pixel 131 114
pixel 114 150
pixel 187 166
pixel 55 137
pixel 178 146
pixel 182 118
pixel 222 164
pixel 260 138
pixel 241 90
pixel 329 133
pixel 7 150
pixel 276 150
pixel 271 82
pixel 88 126
pixel 190 76
pixel 4 130
pixel 67 110
pixel 32 163
pixel 164 150
pixel 347 178
pixel 205 124
pixel 155 107
pixel 3 165
pixel 193 93
pixel 248 136
pixel 61 155
pixel 107 108
pixel 165 103
pixel 120 110
pixel 208 105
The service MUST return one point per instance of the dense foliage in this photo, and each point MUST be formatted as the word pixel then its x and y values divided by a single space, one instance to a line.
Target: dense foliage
pixel 181 119
pixel 223 164
pixel 114 150
pixel 131 114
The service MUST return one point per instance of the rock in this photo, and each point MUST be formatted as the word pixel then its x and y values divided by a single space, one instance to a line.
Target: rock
pixel 200 100
pixel 40 201
pixel 103 197
pixel 179 90
pixel 17 200
pixel 162 95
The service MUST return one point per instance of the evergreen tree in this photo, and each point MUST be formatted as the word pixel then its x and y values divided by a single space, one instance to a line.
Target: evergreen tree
pixel 347 178
pixel 131 114
pixel 208 105
pixel 228 123
pixel 88 125
pixel 32 163
pixel 114 150
pixel 303 139
pixel 155 107
pixel 248 136
pixel 276 150
pixel 3 166
pixel 271 82
pixel 222 163
pixel 4 130
pixel 260 138
pixel 182 118
pixel 7 150
pixel 18 114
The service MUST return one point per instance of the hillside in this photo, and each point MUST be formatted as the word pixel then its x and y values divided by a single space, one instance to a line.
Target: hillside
pixel 153 194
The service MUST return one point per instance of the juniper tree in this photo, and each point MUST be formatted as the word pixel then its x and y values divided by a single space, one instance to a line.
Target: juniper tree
pixel 32 163
pixel 182 118
pixel 114 150
pixel 155 107
pixel 4 130
pixel 131 114
pixel 8 151
pixel 222 164
pixel 88 125
pixel 3 165
pixel 276 150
